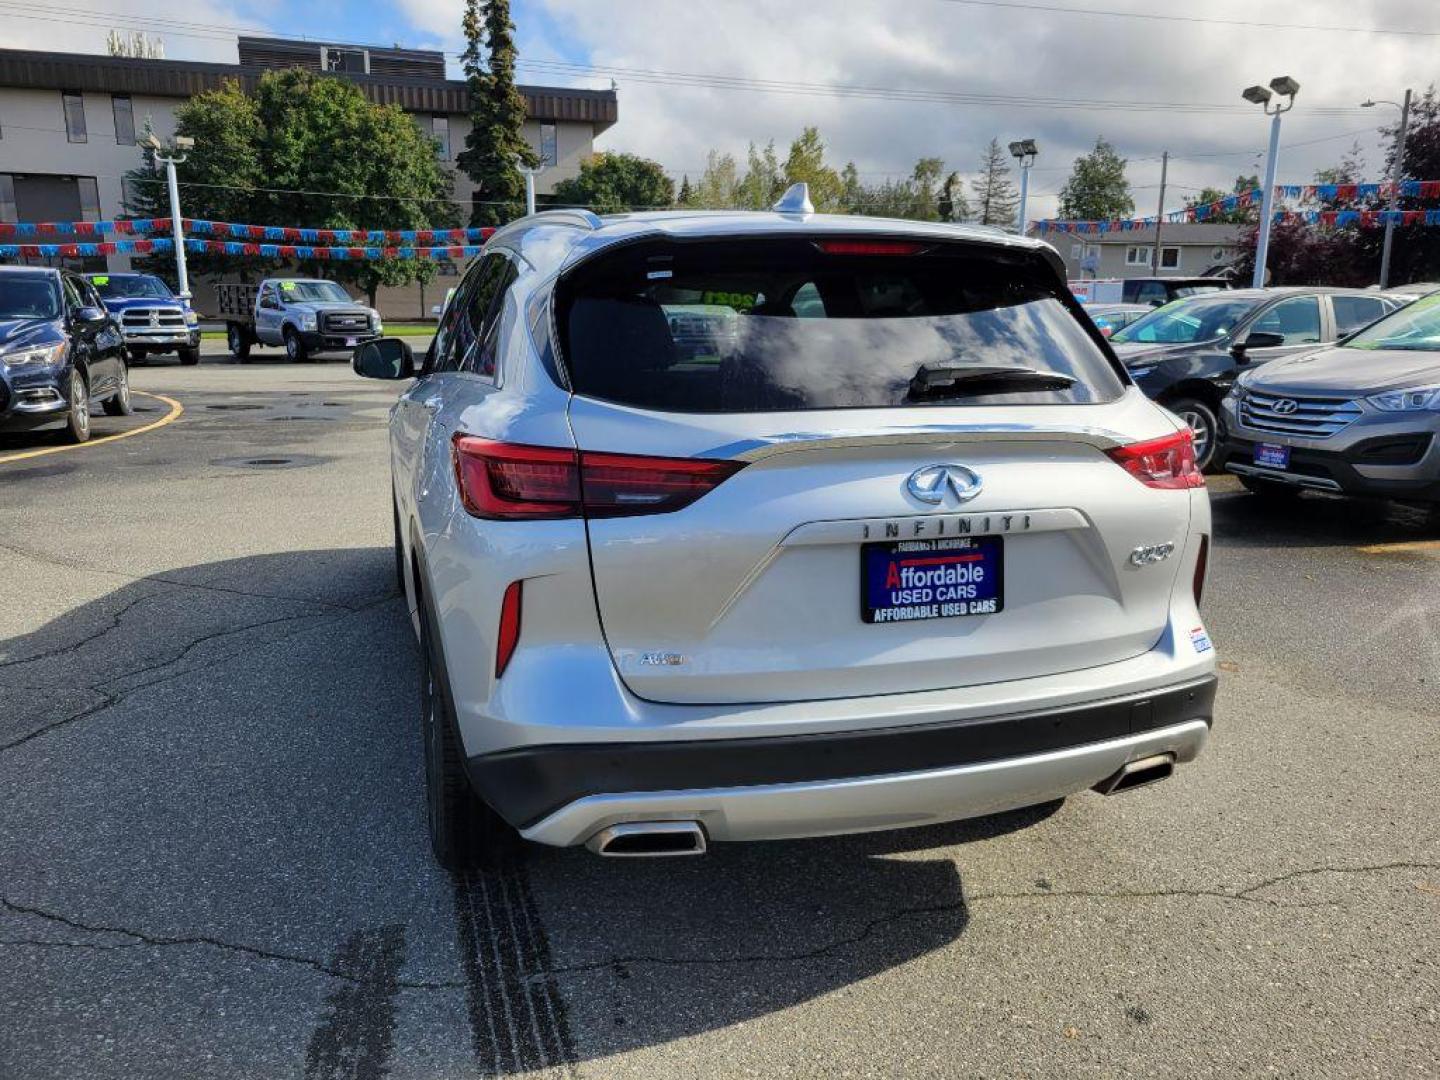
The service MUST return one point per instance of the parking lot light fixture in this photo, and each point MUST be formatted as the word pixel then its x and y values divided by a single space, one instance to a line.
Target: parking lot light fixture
pixel 177 231
pixel 1286 87
pixel 1024 151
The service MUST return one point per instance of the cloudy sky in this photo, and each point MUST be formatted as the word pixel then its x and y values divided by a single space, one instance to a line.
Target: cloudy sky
pixel 1045 69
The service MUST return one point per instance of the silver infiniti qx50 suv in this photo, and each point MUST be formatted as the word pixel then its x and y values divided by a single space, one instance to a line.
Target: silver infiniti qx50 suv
pixel 733 526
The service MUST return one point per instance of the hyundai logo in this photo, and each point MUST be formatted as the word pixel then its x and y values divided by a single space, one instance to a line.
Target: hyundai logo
pixel 930 484
pixel 1285 406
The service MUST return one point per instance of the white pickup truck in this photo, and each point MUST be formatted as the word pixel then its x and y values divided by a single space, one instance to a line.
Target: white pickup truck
pixel 304 315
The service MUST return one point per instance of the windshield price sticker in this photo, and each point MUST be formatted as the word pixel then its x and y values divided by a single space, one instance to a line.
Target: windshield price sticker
pixel 288 286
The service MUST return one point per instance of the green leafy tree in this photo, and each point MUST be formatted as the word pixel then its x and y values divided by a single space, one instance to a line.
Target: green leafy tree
pixel 1097 189
pixel 996 199
pixel 806 165
pixel 952 204
pixel 764 182
pixel 611 183
pixel 852 192
pixel 719 185
pixel 304 150
pixel 1350 170
pixel 496 146
pixel 916 197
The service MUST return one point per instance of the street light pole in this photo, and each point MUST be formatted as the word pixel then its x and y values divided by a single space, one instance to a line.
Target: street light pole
pixel 1024 151
pixel 1259 95
pixel 1397 171
pixel 177 231
pixel 1160 213
pixel 530 175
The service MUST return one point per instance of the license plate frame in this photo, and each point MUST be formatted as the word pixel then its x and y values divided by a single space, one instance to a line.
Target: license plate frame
pixel 928 559
pixel 1272 455
pixel 351 342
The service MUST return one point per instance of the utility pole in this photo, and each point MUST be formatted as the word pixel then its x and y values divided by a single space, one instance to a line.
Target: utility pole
pixel 530 175
pixel 1396 172
pixel 1286 87
pixel 1160 213
pixel 177 231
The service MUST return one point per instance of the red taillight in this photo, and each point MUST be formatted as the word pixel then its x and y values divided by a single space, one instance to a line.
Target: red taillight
pixel 1166 462
pixel 509 482
pixel 870 247
pixel 618 485
pixel 508 636
pixel 501 480
pixel 1202 561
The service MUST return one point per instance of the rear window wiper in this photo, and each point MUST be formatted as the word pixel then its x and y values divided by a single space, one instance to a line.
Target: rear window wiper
pixel 976 381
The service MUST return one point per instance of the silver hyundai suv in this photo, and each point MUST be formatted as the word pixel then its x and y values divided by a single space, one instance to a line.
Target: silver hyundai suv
pixel 1359 418
pixel 737 526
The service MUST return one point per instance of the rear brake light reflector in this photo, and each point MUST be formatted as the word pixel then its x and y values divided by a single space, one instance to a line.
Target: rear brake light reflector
pixel 870 247
pixel 508 635
pixel 507 482
pixel 1166 462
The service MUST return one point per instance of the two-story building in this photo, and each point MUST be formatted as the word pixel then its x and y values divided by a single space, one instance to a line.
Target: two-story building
pixel 1187 249
pixel 69 123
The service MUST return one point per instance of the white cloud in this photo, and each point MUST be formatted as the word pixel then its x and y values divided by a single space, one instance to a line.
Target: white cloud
pixel 200 30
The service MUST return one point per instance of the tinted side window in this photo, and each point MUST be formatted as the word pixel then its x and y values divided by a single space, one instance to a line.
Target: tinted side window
pixel 1151 292
pixel 72 295
pixel 453 330
pixel 1297 319
pixel 1353 312
pixel 481 358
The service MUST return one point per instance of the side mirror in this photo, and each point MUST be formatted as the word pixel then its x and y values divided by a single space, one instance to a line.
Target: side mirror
pixel 1263 339
pixel 387 358
pixel 91 316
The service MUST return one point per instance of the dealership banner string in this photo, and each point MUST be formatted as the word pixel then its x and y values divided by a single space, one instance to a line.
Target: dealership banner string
pixel 281 233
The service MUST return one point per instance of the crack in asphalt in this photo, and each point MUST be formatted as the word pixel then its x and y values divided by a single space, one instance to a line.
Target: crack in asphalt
pixel 76 564
pixel 962 905
pixel 142 939
pixel 109 700
pixel 115 619
pixel 139 938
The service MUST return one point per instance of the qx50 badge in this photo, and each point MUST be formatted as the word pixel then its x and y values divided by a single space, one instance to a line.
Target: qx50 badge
pixel 933 482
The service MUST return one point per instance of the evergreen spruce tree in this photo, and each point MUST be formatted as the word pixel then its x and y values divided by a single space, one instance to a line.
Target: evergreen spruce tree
pixel 996 199
pixel 496 146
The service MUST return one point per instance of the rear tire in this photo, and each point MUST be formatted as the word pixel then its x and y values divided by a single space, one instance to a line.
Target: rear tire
pixel 464 832
pixel 189 356
pixel 294 347
pixel 77 423
pixel 239 343
pixel 1202 421
pixel 118 404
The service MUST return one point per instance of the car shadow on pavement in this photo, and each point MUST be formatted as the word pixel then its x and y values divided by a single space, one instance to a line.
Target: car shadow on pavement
pixel 1314 520
pixel 226 757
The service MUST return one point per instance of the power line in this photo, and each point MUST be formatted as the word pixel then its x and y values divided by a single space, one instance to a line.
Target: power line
pixel 1058 9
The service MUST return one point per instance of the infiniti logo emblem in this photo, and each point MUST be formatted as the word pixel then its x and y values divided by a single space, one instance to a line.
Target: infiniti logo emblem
pixel 930 484
pixel 1285 406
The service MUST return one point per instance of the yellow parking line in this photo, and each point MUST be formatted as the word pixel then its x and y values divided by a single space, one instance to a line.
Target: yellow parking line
pixel 169 418
pixel 1400 548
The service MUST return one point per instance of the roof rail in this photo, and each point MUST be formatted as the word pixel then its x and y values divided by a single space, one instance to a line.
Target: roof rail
pixel 579 217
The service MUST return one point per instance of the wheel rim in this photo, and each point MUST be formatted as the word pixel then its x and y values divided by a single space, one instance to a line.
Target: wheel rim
pixel 234 340
pixel 124 394
pixel 79 403
pixel 1200 427
pixel 292 347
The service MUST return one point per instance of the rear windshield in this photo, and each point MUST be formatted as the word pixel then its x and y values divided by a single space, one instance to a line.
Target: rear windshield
pixel 762 326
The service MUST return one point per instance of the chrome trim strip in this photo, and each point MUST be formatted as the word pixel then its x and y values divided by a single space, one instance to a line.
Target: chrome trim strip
pixel 864 804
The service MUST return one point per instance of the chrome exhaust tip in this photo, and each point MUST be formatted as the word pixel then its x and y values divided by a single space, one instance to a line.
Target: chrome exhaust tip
pixel 1134 774
pixel 649 840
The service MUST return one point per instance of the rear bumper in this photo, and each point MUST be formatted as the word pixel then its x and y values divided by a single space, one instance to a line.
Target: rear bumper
pixel 819 784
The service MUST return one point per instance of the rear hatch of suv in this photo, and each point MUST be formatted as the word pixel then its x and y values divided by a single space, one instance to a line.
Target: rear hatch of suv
pixel 921 491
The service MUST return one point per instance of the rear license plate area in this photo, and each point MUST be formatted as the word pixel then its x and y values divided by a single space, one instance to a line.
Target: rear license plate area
pixel 910 580
pixel 1272 455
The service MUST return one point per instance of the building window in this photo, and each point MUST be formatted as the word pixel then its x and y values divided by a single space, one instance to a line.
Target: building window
pixel 440 132
pixel 7 198
pixel 74 115
pixel 89 198
pixel 1077 252
pixel 350 61
pixel 124 119
pixel 1137 256
pixel 549 149
pixel 1170 257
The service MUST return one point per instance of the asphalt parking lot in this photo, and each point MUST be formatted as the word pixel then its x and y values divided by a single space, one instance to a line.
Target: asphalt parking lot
pixel 213 859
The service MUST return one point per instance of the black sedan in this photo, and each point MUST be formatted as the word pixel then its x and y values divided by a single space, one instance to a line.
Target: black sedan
pixel 60 350
pixel 1187 354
